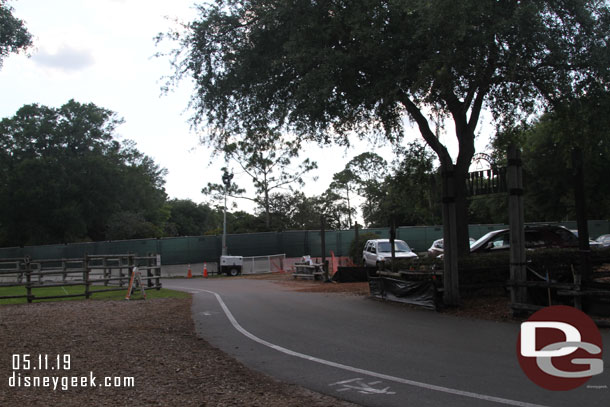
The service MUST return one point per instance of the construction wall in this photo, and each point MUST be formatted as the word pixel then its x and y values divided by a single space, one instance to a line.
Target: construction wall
pixel 199 249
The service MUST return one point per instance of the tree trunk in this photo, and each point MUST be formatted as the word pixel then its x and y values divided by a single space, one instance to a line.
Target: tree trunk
pixel 461 213
pixel 267 211
pixel 450 263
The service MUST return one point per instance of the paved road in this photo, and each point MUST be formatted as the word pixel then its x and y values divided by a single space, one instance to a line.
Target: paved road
pixel 370 352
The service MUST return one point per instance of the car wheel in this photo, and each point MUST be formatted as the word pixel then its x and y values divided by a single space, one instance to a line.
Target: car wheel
pixel 233 272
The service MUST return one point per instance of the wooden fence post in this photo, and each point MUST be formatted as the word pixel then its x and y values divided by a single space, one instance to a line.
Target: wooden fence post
pixel 584 270
pixel 105 272
pixel 120 260
pixel 392 243
pixel 28 279
pixel 518 268
pixel 86 271
pixel 158 271
pixel 149 274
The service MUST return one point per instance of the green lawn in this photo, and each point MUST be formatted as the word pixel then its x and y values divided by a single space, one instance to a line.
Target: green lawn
pixel 80 289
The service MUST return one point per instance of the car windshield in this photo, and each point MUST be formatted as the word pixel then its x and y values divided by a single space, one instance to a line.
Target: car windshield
pixel 399 246
pixel 482 240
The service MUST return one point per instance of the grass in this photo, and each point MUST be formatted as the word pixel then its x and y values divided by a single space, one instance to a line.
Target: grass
pixel 80 289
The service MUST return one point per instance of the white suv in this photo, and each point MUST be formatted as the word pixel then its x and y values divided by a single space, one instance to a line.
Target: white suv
pixel 379 252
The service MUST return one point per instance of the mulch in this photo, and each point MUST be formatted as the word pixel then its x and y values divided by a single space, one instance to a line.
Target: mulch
pixel 153 341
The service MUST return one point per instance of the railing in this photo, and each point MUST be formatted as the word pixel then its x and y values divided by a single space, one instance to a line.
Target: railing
pixel 263 264
pixel 111 271
pixel 486 182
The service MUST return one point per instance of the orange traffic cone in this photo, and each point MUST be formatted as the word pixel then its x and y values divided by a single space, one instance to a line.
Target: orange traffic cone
pixel 205 270
pixel 190 273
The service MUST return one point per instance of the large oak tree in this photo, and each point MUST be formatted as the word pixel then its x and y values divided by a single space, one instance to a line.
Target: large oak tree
pixel 329 69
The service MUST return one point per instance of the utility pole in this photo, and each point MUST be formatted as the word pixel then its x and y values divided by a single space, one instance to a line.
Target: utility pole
pixel 226 180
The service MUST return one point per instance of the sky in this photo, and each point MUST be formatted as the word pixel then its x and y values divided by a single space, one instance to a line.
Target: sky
pixel 102 51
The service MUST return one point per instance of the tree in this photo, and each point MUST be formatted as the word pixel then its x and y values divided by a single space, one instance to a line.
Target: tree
pixel 296 211
pixel 244 222
pixel 14 36
pixel 190 219
pixel 268 162
pixel 344 182
pixel 327 69
pixel 547 146
pixel 363 175
pixel 409 195
pixel 64 178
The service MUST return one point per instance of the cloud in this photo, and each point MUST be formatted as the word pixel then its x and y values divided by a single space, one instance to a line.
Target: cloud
pixel 65 58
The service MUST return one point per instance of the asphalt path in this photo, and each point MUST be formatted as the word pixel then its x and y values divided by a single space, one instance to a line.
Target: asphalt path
pixel 371 352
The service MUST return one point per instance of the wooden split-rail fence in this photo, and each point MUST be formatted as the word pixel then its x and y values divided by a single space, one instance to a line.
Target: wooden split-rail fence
pixel 113 272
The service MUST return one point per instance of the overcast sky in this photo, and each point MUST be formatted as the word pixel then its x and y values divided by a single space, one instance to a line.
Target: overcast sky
pixel 101 51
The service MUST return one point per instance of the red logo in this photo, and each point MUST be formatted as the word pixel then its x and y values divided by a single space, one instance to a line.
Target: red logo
pixel 560 348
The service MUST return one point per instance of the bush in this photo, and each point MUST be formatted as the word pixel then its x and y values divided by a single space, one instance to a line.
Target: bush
pixel 486 268
pixel 357 245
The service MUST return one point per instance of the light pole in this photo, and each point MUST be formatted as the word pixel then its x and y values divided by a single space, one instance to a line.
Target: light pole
pixel 226 180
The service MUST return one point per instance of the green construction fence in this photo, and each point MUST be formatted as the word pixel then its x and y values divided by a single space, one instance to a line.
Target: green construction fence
pixel 294 243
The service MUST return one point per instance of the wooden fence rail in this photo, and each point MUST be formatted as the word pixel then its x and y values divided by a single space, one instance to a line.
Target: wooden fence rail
pixel 113 271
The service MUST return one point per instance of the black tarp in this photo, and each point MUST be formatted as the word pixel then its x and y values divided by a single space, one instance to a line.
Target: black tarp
pixel 352 274
pixel 422 293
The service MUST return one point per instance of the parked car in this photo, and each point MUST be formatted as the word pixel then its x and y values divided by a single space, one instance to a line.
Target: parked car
pixel 436 249
pixel 539 236
pixel 593 244
pixel 603 241
pixel 378 252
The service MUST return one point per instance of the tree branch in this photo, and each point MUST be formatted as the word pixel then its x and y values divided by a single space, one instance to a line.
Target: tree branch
pixel 424 128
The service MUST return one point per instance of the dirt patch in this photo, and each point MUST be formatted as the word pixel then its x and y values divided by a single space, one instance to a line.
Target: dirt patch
pixel 152 341
pixel 489 308
pixel 287 280
pixel 492 305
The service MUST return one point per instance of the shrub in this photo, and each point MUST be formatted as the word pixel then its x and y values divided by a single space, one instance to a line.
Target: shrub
pixel 357 245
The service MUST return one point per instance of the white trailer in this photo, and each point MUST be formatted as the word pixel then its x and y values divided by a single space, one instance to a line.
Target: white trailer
pixel 231 265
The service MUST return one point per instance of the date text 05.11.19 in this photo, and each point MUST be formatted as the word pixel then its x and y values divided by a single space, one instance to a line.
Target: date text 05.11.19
pixel 41 361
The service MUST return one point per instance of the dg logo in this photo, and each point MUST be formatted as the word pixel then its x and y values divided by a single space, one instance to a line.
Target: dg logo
pixel 560 348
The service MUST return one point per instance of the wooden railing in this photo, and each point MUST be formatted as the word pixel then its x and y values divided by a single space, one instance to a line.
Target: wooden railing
pixel 111 271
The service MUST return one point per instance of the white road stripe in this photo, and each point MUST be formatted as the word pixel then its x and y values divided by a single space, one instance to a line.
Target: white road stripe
pixel 358 370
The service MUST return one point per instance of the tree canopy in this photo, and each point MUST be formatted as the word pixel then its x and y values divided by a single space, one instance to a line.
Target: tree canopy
pixel 14 36
pixel 269 163
pixel 409 194
pixel 64 178
pixel 327 69
pixel 296 211
pixel 547 146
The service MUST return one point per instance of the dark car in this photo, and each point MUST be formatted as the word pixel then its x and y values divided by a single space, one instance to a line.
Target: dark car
pixel 546 236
